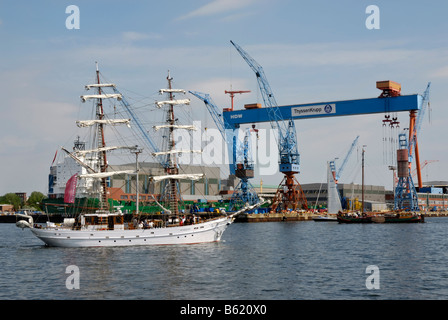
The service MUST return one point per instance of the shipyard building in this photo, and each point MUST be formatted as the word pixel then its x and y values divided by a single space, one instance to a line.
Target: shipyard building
pixel 123 187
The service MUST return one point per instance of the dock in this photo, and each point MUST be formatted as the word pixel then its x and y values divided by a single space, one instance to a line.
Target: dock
pixel 304 216
pixel 435 214
pixel 275 217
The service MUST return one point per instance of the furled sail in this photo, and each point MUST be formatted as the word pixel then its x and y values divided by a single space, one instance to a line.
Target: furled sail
pixel 83 152
pixel 101 175
pixel 155 154
pixel 99 85
pixel 117 96
pixel 172 102
pixel 162 91
pixel 191 176
pixel 186 127
pixel 88 123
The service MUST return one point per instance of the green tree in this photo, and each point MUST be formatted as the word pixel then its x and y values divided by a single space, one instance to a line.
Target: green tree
pixel 35 200
pixel 12 198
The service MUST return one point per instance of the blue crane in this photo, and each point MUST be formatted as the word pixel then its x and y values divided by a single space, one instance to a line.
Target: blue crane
pixel 421 112
pixel 405 197
pixel 289 193
pixel 229 134
pixel 241 164
pixel 337 174
pixel 244 192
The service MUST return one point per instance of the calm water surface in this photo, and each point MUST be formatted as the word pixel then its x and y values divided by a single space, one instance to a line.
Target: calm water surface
pixel 285 260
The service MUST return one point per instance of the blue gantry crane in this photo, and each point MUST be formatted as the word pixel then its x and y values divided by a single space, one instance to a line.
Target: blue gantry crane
pixel 276 115
pixel 289 193
pixel 241 164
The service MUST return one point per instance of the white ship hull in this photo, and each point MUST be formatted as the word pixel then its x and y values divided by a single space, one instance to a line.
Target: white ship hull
pixel 210 231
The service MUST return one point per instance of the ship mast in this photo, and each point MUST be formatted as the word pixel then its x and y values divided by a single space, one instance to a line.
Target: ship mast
pixel 103 203
pixel 171 193
pixel 172 158
pixel 100 172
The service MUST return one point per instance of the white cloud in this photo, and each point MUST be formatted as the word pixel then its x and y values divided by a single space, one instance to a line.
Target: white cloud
pixel 216 7
pixel 441 72
pixel 138 36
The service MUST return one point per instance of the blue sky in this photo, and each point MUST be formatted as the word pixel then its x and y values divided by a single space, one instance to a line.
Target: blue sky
pixel 311 51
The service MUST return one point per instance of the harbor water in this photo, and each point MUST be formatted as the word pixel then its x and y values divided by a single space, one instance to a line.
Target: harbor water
pixel 255 261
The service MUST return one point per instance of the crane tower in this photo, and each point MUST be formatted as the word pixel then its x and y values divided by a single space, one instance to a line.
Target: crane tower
pixel 289 193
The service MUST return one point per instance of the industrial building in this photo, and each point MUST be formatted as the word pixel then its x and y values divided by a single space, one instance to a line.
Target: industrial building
pixel 351 195
pixel 122 187
pixel 432 197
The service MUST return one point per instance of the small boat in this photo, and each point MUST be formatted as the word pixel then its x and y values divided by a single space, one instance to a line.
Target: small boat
pixel 404 217
pixel 356 217
pixel 353 217
pixel 398 216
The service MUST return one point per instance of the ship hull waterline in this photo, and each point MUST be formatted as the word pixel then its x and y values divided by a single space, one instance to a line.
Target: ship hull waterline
pixel 210 231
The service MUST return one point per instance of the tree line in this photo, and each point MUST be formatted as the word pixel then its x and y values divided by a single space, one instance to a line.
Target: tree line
pixel 34 201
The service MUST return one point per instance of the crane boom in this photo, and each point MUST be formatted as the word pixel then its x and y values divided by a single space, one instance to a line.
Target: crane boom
pixel 241 165
pixel 229 135
pixel 338 174
pixel 421 112
pixel 287 141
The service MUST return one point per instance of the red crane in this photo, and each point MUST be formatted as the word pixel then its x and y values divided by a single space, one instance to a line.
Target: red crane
pixel 414 172
pixel 232 94
pixel 426 162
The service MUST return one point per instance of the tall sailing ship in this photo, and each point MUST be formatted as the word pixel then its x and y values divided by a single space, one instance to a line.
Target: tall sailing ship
pixel 106 226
